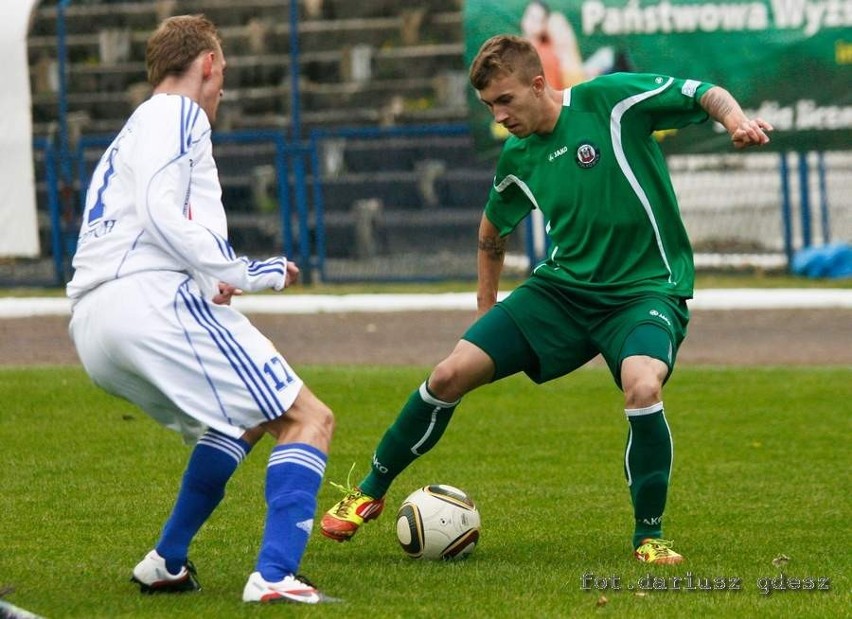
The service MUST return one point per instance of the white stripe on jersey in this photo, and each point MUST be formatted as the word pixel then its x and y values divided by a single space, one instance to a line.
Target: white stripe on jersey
pixel 511 179
pixel 615 132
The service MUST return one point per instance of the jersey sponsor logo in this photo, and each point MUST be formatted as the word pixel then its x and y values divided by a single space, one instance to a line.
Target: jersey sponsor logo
pixel 588 155
pixel 557 153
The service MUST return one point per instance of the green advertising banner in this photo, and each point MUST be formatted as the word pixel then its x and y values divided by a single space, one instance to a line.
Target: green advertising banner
pixel 788 61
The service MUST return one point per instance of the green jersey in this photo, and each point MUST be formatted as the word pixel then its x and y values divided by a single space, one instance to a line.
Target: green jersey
pixel 601 183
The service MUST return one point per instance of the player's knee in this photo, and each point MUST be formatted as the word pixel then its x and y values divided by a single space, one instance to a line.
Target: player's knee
pixel 321 422
pixel 467 368
pixel 444 381
pixel 642 380
pixel 642 391
pixel 309 421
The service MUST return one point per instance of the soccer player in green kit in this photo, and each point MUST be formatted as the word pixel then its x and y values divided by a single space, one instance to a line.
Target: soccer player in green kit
pixel 616 279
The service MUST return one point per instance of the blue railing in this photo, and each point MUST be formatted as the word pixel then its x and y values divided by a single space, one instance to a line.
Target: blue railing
pixel 299 188
pixel 288 156
pixel 58 250
pixel 301 201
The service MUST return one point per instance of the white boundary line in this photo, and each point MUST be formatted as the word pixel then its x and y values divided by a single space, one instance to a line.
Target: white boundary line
pixel 716 299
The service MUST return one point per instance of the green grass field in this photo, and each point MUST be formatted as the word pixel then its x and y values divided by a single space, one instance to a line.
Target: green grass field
pixel 762 467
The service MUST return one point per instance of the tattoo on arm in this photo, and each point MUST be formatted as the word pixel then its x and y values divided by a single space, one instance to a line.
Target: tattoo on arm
pixel 717 103
pixel 494 247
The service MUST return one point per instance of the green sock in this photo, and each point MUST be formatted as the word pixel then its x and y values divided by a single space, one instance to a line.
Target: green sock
pixel 648 465
pixel 420 424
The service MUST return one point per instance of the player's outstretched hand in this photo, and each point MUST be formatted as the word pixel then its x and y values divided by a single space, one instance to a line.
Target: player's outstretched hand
pixel 226 291
pixel 751 133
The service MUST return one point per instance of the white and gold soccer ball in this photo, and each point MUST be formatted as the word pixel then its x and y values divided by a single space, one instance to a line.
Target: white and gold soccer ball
pixel 438 522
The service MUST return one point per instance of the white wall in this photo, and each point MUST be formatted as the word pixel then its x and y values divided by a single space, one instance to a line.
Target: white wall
pixel 18 221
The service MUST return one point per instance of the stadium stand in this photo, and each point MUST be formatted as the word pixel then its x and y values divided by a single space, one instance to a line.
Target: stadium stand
pixel 398 53
pixel 379 63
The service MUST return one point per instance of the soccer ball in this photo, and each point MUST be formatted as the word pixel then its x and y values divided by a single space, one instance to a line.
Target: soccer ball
pixel 437 522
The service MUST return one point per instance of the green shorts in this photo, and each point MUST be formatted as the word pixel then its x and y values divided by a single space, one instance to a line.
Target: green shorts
pixel 547 331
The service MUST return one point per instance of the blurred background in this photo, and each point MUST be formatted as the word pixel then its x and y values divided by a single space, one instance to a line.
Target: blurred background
pixel 350 139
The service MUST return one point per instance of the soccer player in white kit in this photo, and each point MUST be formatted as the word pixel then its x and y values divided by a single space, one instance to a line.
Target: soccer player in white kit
pixel 152 322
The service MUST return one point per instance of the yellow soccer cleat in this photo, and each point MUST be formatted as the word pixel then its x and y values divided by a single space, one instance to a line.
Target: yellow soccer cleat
pixel 657 551
pixel 341 522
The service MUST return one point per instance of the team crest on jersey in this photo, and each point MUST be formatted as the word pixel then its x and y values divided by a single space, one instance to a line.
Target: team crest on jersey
pixel 587 155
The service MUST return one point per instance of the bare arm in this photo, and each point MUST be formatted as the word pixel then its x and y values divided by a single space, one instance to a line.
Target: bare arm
pixel 489 263
pixel 722 107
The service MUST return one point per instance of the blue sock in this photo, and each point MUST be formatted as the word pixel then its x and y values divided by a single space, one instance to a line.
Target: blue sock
pixel 292 482
pixel 212 463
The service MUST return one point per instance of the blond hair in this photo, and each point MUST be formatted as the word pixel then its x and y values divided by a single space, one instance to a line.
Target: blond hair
pixel 176 43
pixel 504 54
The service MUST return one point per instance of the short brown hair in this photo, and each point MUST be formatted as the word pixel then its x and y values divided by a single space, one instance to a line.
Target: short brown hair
pixel 504 54
pixel 176 43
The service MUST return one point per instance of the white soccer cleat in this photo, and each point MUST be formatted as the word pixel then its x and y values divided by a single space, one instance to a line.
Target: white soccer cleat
pixel 153 577
pixel 291 589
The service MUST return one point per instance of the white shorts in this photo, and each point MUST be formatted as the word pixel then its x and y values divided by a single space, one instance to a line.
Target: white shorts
pixel 152 339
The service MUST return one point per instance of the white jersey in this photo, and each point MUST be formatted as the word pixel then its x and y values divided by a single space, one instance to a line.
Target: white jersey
pixel 155 204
